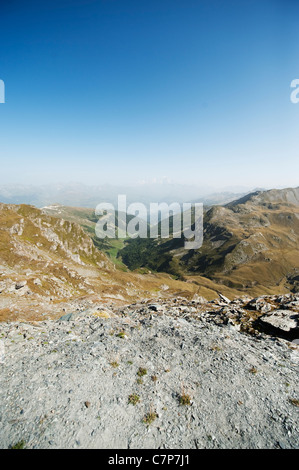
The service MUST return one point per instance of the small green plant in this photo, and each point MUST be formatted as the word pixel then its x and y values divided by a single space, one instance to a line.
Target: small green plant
pixel 140 381
pixel 154 378
pixel 114 364
pixel 184 399
pixel 130 363
pixel 133 399
pixel 121 334
pixel 141 372
pixel 150 417
pixel 19 445
pixel 253 370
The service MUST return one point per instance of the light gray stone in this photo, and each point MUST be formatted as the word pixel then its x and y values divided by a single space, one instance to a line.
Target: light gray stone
pixel 285 320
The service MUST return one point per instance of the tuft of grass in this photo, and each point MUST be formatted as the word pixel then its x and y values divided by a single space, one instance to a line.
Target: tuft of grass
pixel 141 372
pixel 114 364
pixel 253 370
pixel 150 417
pixel 139 381
pixel 185 399
pixel 294 402
pixel 19 445
pixel 133 399
pixel 154 378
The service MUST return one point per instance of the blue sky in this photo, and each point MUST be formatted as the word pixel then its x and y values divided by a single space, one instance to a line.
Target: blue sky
pixel 114 91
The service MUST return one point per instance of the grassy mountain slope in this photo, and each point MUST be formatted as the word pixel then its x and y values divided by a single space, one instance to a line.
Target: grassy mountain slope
pixel 87 218
pixel 49 265
pixel 251 244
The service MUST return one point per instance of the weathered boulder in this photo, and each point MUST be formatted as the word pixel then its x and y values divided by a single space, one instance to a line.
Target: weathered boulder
pixel 224 299
pixel 284 323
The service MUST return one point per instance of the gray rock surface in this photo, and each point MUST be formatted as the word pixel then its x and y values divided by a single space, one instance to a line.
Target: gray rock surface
pixel 285 320
pixel 72 383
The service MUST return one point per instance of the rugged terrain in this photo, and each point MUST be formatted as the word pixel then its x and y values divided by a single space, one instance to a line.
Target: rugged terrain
pixel 95 356
pixel 252 242
pixel 51 261
pixel 171 374
pixel 49 265
pixel 250 245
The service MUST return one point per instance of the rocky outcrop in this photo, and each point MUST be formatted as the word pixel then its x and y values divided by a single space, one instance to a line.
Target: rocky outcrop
pixel 284 323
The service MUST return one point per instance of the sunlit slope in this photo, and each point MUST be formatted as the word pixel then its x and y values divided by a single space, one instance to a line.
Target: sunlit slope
pixel 251 242
pixel 49 265
pixel 58 251
pixel 250 245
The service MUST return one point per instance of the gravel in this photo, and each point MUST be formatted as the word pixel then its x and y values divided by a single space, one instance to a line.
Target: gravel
pixel 76 382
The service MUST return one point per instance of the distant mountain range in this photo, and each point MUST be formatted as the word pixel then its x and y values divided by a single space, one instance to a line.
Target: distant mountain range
pixel 80 195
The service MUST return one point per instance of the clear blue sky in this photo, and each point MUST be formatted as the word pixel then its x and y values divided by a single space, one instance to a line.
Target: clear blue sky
pixel 120 91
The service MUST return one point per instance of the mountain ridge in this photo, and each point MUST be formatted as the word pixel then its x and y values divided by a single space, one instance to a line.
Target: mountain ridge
pixel 251 243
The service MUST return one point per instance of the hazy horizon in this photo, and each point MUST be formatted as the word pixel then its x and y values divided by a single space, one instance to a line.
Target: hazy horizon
pixel 79 195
